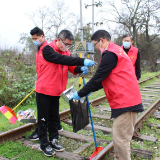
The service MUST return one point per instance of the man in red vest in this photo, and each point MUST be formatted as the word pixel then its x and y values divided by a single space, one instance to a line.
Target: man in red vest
pixel 133 54
pixel 53 62
pixel 39 41
pixel 116 76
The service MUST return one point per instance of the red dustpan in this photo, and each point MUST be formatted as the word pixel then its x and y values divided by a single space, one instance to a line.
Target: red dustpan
pixel 9 113
pixel 96 151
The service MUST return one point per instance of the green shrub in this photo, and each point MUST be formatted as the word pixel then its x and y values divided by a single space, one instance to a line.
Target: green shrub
pixel 16 80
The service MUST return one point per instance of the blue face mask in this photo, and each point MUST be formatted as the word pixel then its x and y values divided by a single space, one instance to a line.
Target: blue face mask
pixel 37 43
pixel 126 44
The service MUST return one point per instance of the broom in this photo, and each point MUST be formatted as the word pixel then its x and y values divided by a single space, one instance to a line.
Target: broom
pixel 9 113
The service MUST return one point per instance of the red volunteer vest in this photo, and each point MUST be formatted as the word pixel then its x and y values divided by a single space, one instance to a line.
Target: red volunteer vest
pixel 121 86
pixel 51 78
pixel 132 54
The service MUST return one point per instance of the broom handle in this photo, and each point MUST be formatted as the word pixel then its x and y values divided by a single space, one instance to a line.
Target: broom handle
pixel 90 117
pixel 24 99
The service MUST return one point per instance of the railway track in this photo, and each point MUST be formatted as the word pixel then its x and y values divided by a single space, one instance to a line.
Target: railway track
pixel 149 93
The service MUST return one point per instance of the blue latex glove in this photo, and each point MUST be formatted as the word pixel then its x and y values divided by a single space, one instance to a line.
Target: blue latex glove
pixel 88 63
pixel 84 70
pixel 75 96
pixel 35 87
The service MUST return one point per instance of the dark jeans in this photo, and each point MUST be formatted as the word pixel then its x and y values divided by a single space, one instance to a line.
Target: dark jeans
pixel 48 113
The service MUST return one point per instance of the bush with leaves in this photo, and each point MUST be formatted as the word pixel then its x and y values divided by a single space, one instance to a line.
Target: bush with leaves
pixel 16 80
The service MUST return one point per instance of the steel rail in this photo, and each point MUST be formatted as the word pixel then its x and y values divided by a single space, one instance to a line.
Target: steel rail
pixel 20 131
pixel 149 78
pixel 97 101
pixel 139 119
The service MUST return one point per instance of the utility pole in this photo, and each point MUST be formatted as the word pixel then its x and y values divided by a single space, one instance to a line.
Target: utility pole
pixel 93 4
pixel 92 17
pixel 81 20
pixel 80 55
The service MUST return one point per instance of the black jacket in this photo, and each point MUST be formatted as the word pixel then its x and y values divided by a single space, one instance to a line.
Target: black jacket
pixel 51 56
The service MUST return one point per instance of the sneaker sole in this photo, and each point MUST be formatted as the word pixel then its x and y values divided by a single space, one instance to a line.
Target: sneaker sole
pixel 58 150
pixel 60 130
pixel 47 154
pixel 33 139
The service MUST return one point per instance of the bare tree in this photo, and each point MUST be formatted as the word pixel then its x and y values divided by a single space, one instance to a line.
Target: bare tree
pixel 62 17
pixel 29 50
pixel 52 19
pixel 129 15
pixel 41 17
pixel 141 19
pixel 151 20
pixel 137 16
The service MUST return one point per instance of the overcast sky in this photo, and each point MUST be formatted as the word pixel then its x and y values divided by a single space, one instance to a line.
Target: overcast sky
pixel 14 19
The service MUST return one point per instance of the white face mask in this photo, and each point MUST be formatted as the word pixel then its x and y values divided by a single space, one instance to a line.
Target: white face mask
pixel 64 48
pixel 126 44
pixel 101 49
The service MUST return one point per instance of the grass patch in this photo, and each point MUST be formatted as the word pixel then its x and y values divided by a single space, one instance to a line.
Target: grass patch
pixel 142 85
pixel 150 131
pixel 18 151
pixel 103 122
pixel 69 144
pixel 99 134
pixel 146 75
pixel 153 120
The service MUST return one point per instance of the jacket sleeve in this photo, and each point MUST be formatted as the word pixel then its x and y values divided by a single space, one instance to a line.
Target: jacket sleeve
pixel 108 62
pixel 51 56
pixel 75 69
pixel 138 66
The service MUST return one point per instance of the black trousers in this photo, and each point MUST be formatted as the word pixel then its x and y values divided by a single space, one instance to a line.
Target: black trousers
pixel 58 125
pixel 48 114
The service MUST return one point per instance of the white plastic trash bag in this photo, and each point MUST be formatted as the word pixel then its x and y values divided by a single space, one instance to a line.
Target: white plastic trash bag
pixel 28 114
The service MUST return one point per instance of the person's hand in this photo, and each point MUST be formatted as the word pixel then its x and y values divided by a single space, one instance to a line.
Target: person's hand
pixel 75 96
pixel 35 85
pixel 88 63
pixel 84 70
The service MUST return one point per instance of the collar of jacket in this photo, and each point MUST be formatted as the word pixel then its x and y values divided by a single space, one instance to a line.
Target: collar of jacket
pixel 54 45
pixel 39 47
pixel 130 49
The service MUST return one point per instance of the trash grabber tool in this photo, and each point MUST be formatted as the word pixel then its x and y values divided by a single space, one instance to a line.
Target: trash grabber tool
pixel 98 149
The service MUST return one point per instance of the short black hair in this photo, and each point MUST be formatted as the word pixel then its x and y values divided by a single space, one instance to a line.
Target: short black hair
pixel 37 31
pixel 65 34
pixel 128 35
pixel 101 34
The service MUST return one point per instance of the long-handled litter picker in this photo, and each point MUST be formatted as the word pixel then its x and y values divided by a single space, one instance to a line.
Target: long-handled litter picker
pixel 98 149
pixel 9 113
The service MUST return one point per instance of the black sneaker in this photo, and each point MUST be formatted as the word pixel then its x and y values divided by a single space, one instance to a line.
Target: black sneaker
pixel 48 151
pixel 56 146
pixel 33 136
pixel 60 129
